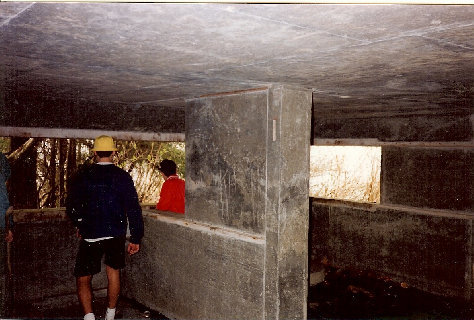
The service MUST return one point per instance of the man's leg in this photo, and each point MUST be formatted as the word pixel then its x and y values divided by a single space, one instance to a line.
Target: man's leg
pixel 84 292
pixel 114 261
pixel 113 289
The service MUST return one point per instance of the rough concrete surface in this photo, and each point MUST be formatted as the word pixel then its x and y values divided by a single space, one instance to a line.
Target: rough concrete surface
pixel 428 177
pixel 434 122
pixel 43 258
pixel 225 153
pixel 248 159
pixel 78 58
pixel 193 271
pixel 289 114
pixel 426 251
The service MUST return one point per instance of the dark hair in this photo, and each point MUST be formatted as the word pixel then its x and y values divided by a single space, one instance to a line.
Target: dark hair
pixel 168 167
pixel 104 154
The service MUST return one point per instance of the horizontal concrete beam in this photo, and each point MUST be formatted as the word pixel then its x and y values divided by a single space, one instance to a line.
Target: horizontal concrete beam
pixel 377 143
pixel 89 134
pixel 430 123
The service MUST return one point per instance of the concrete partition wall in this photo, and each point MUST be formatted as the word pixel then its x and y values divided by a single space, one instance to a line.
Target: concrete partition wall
pixel 240 251
pixel 421 232
pixel 190 270
pixel 43 255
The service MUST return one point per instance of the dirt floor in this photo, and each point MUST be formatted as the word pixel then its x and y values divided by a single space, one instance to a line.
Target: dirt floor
pixel 126 309
pixel 346 294
pixel 343 294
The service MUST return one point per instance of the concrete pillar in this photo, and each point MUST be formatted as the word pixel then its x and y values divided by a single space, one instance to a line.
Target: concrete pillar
pixel 286 214
pixel 247 168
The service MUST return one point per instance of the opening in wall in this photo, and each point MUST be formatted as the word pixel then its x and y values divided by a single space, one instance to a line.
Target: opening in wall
pixel 47 164
pixel 345 173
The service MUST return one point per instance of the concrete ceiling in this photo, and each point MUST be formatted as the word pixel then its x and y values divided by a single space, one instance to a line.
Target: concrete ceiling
pixel 157 55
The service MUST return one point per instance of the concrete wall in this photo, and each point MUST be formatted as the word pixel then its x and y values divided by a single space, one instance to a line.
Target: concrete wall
pixel 43 257
pixel 435 122
pixel 226 160
pixel 433 177
pixel 189 270
pixel 427 251
pixel 241 250
pixel 34 110
pixel 421 232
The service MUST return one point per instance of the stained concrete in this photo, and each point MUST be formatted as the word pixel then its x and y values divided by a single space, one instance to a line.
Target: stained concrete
pixel 286 218
pixel 426 251
pixel 226 138
pixel 43 258
pixel 126 309
pixel 189 270
pixel 391 74
pixel 241 249
pixel 420 233
pixel 247 164
pixel 59 59
pixel 37 111
pixel 439 178
pixel 434 122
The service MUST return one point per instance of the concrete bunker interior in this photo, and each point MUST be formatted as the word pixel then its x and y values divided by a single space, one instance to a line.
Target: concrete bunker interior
pixel 248 115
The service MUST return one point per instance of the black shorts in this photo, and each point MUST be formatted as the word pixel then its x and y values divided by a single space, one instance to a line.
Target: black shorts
pixel 89 257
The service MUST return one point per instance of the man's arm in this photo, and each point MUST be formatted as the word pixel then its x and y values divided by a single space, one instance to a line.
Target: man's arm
pixel 5 166
pixel 9 224
pixel 73 202
pixel 134 212
pixel 133 248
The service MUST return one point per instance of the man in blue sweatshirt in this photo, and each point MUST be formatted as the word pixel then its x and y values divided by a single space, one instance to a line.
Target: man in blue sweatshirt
pixel 6 235
pixel 101 200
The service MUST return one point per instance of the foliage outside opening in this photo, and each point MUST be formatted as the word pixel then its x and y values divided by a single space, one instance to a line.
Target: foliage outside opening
pixel 47 164
pixel 345 173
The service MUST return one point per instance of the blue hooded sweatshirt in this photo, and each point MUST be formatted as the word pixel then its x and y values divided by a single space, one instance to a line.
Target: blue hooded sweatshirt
pixel 4 203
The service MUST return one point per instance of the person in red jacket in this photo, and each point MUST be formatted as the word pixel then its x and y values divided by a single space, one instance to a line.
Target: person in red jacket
pixel 172 191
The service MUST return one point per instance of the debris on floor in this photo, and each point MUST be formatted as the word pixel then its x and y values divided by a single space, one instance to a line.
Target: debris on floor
pixel 361 294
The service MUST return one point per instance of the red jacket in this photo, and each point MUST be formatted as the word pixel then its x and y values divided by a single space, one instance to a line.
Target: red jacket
pixel 172 195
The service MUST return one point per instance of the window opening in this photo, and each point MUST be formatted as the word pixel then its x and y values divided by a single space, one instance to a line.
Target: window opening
pixel 345 173
pixel 58 159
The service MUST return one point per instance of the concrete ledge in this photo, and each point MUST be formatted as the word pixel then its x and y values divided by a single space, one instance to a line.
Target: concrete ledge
pixel 379 143
pixel 189 270
pixel 428 251
pixel 51 214
pixel 38 215
pixel 181 220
